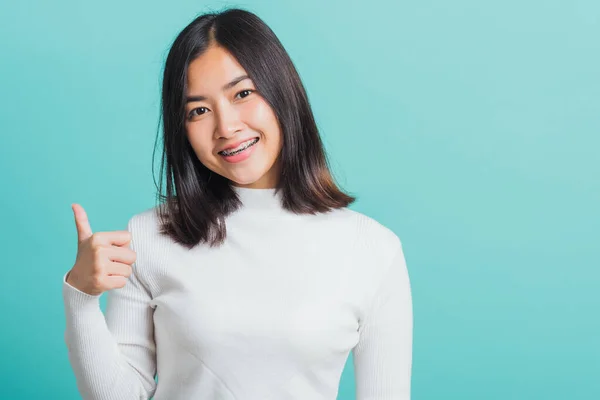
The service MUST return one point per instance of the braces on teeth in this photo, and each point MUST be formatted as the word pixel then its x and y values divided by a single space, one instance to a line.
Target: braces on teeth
pixel 244 147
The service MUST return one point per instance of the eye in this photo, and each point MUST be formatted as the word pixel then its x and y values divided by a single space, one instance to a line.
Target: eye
pixel 193 112
pixel 248 91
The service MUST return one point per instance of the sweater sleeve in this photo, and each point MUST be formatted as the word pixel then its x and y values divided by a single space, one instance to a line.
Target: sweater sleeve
pixel 383 355
pixel 113 354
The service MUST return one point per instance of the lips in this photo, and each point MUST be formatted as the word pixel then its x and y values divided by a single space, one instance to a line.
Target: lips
pixel 238 146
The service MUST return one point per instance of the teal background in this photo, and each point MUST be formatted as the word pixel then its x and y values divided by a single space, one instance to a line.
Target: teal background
pixel 470 128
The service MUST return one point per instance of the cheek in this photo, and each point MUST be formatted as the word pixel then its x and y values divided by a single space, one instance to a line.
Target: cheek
pixel 264 121
pixel 200 141
pixel 261 117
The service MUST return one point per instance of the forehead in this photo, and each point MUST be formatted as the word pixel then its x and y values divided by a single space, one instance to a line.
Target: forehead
pixel 213 69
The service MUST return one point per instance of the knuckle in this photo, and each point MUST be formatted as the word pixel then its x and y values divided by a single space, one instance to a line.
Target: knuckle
pixel 97 281
pixel 95 239
pixel 97 256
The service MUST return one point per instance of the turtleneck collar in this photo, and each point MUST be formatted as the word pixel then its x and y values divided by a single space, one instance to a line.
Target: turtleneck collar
pixel 259 198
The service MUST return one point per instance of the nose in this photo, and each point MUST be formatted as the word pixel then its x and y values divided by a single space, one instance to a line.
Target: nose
pixel 228 121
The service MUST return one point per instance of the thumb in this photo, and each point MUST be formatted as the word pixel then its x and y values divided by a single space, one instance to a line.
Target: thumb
pixel 84 230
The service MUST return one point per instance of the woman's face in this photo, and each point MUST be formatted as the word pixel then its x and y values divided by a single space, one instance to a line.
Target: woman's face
pixel 225 112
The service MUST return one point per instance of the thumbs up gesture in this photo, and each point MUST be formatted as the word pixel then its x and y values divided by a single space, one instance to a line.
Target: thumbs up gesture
pixel 103 258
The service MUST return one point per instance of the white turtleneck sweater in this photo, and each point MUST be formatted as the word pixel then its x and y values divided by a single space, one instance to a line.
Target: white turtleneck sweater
pixel 271 314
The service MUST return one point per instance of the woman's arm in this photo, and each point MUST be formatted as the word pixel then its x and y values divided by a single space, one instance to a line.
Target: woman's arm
pixel 113 356
pixel 383 356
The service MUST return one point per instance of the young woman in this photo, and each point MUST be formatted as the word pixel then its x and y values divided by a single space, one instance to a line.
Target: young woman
pixel 251 279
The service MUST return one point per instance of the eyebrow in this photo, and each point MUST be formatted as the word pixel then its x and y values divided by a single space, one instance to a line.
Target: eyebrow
pixel 227 86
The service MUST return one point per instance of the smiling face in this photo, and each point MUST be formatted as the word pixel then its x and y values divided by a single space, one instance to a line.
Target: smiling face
pixel 224 111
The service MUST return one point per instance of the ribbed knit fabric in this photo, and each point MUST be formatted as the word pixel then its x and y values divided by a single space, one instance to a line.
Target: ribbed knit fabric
pixel 272 314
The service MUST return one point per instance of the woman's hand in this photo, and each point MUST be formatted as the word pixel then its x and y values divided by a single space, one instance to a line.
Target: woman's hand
pixel 103 260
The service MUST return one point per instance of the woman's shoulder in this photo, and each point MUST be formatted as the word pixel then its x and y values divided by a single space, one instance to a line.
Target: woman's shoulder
pixel 365 232
pixel 146 231
pixel 152 248
pixel 369 245
pixel 145 221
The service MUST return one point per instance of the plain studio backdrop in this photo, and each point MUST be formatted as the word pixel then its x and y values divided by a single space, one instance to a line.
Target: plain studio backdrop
pixel 470 128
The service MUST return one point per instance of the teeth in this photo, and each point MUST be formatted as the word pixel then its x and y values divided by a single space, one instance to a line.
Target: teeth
pixel 240 148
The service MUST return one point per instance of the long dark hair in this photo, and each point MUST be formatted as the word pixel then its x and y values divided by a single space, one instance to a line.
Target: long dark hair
pixel 196 202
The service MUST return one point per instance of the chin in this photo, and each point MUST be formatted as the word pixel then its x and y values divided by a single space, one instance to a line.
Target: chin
pixel 248 174
pixel 244 181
